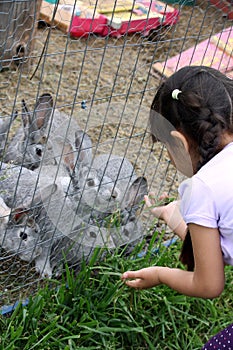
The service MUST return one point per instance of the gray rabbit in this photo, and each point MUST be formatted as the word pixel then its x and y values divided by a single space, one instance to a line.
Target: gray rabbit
pixel 29 142
pixel 106 194
pixel 103 184
pixel 19 232
pixel 34 141
pixel 83 239
pixel 18 186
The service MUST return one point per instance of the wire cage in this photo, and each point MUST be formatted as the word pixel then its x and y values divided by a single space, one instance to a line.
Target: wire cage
pixel 77 82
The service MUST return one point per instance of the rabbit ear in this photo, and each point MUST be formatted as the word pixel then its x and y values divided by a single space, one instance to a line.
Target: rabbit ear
pixel 68 158
pixel 42 113
pixel 18 214
pixel 25 115
pixel 83 145
pixel 44 193
pixel 136 192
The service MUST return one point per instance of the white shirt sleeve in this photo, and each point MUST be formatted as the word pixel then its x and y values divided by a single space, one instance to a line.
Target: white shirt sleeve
pixel 197 203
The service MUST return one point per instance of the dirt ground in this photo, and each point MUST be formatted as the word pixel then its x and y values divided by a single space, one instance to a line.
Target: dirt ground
pixel 111 77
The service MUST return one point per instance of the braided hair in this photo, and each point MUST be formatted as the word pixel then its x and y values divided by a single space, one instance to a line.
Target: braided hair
pixel 202 111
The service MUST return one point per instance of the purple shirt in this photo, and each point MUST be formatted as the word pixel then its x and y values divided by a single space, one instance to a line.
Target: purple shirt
pixel 207 198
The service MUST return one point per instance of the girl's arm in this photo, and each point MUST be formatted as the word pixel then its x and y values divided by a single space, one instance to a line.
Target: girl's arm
pixel 207 280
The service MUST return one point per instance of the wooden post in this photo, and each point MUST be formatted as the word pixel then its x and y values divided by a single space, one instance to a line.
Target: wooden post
pixel 18 24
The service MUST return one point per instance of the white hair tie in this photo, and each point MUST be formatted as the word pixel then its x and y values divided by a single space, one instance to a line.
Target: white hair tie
pixel 175 94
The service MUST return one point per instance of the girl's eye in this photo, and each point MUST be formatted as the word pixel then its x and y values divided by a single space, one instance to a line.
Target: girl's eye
pixel 23 236
pixel 90 182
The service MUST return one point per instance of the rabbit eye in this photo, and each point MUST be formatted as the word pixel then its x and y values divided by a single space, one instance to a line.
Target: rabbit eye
pixel 39 151
pixel 93 234
pixel 30 222
pixel 90 182
pixel 23 236
pixel 43 140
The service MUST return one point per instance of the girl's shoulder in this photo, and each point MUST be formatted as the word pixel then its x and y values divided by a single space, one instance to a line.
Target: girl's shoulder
pixel 210 189
pixel 218 169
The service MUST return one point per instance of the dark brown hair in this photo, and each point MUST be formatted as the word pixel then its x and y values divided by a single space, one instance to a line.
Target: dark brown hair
pixel 203 111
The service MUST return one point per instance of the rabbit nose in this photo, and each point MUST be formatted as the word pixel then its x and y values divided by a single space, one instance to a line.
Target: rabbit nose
pixel 114 194
pixel 126 232
pixel 93 234
pixel 90 182
pixel 23 236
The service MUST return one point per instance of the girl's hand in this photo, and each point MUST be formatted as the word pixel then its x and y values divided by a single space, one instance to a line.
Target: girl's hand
pixel 160 211
pixel 170 213
pixel 141 279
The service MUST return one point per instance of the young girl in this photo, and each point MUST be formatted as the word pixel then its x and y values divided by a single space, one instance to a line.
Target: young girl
pixel 192 115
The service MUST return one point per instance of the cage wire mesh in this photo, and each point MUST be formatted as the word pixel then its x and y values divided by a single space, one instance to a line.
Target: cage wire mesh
pixel 76 153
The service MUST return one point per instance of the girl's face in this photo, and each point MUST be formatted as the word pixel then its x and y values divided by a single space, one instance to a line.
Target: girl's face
pixel 180 156
pixel 175 142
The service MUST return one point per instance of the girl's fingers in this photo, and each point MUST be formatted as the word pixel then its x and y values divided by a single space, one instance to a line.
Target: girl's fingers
pixel 134 283
pixel 148 201
pixel 132 279
pixel 151 194
pixel 164 195
pixel 129 274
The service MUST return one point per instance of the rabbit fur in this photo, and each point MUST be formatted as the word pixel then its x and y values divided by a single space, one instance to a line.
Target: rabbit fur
pixel 20 185
pixel 5 125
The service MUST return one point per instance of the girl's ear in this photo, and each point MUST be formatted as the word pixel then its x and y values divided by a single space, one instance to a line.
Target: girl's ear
pixel 180 137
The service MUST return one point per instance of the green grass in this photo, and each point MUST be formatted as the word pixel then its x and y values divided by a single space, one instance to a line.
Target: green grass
pixel 95 310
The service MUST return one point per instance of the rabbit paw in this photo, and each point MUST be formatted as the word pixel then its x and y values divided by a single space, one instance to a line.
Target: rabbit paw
pixel 43 268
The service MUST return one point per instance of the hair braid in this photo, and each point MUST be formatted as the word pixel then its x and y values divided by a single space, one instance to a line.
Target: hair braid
pixel 209 141
pixel 205 126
